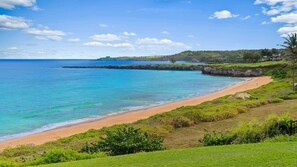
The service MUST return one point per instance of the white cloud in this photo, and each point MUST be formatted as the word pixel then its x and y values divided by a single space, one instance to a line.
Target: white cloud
pixel 11 22
pixel 42 32
pixel 246 17
pixel 116 45
pixel 269 2
pixel 270 12
pixel 11 4
pixel 277 6
pixel 265 22
pixel 287 30
pixel 103 25
pixel 190 36
pixel 123 45
pixel 281 11
pixel 45 34
pixel 285 18
pixel 12 48
pixel 129 34
pixel 224 14
pixel 93 44
pixel 73 40
pixel 165 32
pixel 154 43
pixel 105 37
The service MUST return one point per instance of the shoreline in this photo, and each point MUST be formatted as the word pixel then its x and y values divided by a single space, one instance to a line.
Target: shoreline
pixel 74 122
pixel 129 116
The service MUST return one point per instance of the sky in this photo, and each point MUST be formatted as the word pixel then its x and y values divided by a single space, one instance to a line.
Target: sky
pixel 87 29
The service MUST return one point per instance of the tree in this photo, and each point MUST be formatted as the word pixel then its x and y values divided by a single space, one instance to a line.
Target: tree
pixel 172 60
pixel 290 43
pixel 126 140
pixel 274 51
pixel 251 57
pixel 266 53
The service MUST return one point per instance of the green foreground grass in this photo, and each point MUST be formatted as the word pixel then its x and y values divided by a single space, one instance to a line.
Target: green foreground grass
pixel 263 154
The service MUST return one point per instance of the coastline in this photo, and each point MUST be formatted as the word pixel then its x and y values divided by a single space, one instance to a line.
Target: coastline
pixel 129 116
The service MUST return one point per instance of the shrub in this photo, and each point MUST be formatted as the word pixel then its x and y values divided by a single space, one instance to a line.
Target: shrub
pixel 181 121
pixel 60 155
pixel 6 164
pixel 283 138
pixel 279 73
pixel 253 132
pixel 126 140
pixel 290 96
pixel 275 100
pixel 23 150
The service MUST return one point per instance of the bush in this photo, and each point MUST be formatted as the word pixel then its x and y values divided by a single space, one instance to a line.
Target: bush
pixel 126 140
pixel 6 164
pixel 60 155
pixel 283 138
pixel 279 73
pixel 253 132
pixel 23 150
pixel 181 121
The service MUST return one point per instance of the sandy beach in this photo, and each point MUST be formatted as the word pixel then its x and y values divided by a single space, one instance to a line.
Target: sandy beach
pixel 129 117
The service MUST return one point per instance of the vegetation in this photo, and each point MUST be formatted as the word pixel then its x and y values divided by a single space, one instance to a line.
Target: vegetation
pixel 192 136
pixel 143 131
pixel 291 44
pixel 172 60
pixel 126 140
pixel 60 155
pixel 267 53
pixel 263 154
pixel 253 132
pixel 210 57
pixel 251 57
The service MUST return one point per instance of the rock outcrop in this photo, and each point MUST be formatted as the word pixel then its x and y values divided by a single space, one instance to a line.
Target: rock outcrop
pixel 147 67
pixel 233 72
pixel 241 95
pixel 206 69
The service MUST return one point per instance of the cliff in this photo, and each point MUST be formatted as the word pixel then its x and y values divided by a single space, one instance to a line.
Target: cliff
pixel 233 72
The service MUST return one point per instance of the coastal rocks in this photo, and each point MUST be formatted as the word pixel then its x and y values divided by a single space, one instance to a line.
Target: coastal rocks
pixel 147 67
pixel 241 95
pixel 206 69
pixel 232 72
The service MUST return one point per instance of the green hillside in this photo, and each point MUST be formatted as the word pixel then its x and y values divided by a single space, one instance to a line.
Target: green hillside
pixel 232 56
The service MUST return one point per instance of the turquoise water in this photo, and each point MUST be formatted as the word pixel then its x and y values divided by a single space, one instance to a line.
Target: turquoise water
pixel 38 95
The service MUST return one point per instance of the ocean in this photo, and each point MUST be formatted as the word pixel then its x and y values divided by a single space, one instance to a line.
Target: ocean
pixel 39 95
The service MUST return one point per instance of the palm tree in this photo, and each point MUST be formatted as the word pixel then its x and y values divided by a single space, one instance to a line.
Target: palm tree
pixel 291 44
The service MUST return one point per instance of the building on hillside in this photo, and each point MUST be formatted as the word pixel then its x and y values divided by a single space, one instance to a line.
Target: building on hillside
pixel 276 57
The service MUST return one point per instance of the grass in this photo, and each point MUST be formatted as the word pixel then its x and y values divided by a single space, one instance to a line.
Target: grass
pixel 263 154
pixel 266 64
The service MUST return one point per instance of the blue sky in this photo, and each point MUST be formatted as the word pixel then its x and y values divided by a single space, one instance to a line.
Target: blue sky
pixel 98 28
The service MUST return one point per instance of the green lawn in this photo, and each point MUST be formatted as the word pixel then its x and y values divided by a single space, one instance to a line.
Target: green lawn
pixel 263 154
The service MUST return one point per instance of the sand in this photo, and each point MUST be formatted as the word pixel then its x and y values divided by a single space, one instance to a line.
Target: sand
pixel 129 117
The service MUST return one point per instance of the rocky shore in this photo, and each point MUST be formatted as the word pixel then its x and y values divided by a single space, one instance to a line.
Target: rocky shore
pixel 206 69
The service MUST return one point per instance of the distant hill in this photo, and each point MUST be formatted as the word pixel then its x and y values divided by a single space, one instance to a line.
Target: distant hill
pixel 233 56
